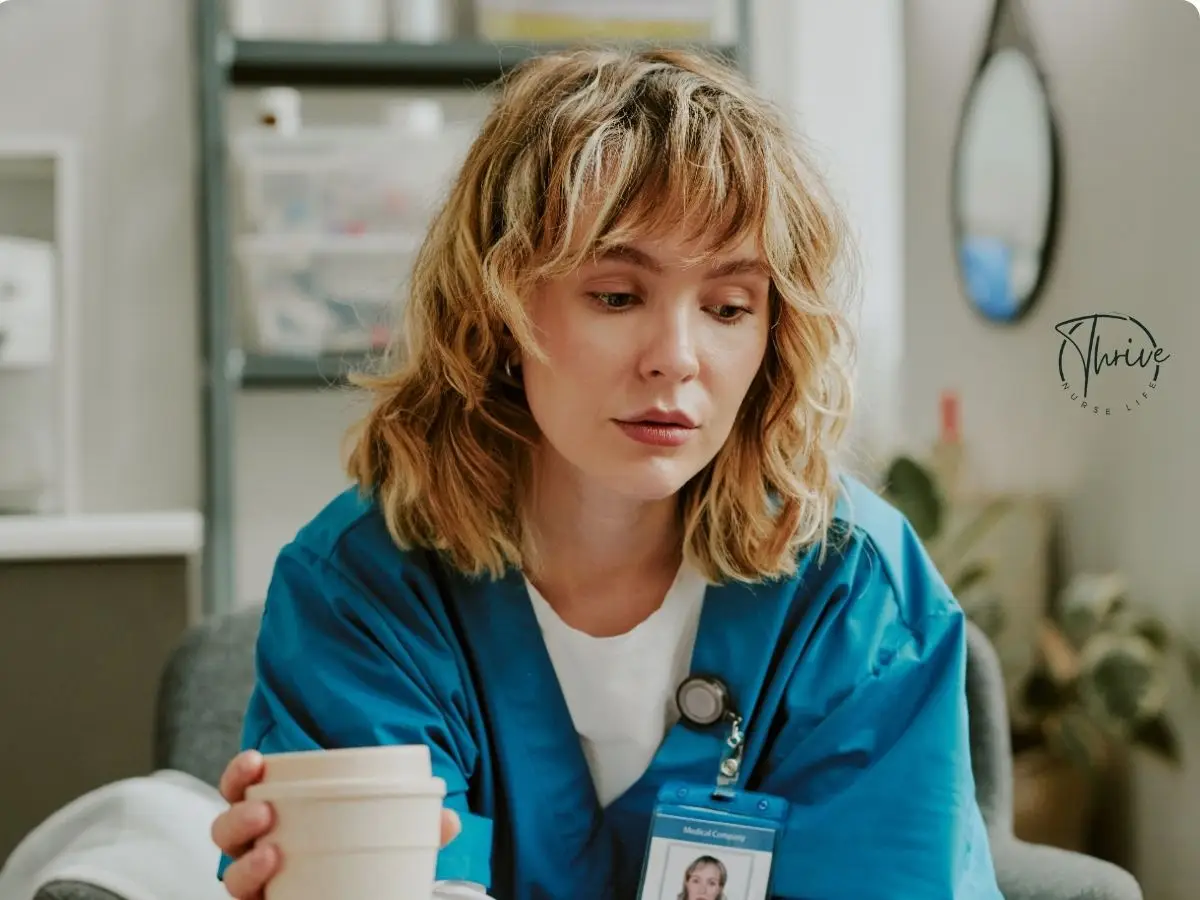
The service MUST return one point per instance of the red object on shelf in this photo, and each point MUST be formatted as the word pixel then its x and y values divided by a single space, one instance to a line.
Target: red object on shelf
pixel 950 423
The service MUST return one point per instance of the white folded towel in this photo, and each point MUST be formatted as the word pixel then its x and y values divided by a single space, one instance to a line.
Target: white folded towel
pixel 145 838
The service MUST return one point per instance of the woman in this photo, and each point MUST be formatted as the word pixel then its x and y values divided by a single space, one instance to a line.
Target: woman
pixel 606 460
pixel 704 880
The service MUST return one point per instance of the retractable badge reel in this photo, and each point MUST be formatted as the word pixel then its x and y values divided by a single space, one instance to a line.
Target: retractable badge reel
pixel 712 838
pixel 704 701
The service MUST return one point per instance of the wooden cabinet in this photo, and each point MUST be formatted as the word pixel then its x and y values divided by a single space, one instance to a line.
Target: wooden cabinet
pixel 88 617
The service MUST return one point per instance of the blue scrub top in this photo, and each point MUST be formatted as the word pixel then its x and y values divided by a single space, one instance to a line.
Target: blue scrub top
pixel 851 676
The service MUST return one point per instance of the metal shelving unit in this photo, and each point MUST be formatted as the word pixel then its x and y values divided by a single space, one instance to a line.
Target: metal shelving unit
pixel 387 64
pixel 226 63
pixel 264 372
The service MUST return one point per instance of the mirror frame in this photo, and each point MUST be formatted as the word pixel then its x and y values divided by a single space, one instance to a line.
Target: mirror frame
pixel 1009 29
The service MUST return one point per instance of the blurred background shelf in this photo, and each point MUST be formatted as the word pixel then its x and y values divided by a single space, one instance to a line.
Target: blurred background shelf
pixel 390 63
pixel 321 156
pixel 265 371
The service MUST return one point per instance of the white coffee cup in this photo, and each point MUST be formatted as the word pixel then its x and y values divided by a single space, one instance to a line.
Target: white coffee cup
pixel 353 824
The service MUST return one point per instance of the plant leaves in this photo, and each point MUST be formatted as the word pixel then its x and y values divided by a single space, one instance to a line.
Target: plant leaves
pixel 977 528
pixel 910 487
pixel 1155 631
pixel 1191 659
pixel 1102 594
pixel 1040 693
pixel 1159 737
pixel 1078 623
pixel 1057 653
pixel 1081 740
pixel 986 611
pixel 969 576
pixel 1124 680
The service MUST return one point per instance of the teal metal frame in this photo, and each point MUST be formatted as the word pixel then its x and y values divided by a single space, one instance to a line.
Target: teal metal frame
pixel 224 63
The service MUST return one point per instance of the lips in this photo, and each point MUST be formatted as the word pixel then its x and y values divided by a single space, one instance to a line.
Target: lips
pixel 655 423
pixel 661 418
pixel 657 432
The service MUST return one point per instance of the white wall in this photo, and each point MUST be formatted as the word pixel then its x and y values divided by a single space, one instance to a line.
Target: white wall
pixel 839 69
pixel 286 467
pixel 118 84
pixel 1123 75
pixel 849 97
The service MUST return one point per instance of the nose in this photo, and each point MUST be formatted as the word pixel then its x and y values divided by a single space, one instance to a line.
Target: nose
pixel 670 351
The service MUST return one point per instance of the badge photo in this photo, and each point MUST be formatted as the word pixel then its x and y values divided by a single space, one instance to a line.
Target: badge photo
pixel 699 851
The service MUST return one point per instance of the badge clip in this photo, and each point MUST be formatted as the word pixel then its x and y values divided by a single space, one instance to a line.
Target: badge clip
pixel 730 769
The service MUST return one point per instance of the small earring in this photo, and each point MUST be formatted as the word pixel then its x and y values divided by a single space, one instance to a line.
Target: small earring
pixel 508 364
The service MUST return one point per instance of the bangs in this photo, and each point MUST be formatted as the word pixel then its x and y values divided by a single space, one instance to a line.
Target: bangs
pixel 682 165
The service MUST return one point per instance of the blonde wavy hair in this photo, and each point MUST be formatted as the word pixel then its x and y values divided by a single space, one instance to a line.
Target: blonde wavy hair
pixel 585 149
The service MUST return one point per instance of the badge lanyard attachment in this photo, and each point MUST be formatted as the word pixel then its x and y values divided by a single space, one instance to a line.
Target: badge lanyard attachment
pixel 704 700
pixel 731 759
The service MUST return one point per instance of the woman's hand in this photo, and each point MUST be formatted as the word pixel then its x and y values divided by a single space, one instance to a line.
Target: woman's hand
pixel 237 830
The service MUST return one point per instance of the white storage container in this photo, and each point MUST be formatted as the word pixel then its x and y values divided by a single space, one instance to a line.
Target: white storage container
pixel 423 21
pixel 29 461
pixel 318 20
pixel 310 296
pixel 352 20
pixel 348 182
pixel 27 301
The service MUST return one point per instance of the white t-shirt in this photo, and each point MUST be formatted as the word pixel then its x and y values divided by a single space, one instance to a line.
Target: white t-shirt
pixel 620 690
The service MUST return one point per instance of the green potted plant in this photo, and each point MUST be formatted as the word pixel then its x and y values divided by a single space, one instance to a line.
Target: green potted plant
pixel 953 545
pixel 1099 683
pixel 1102 676
pixel 1098 690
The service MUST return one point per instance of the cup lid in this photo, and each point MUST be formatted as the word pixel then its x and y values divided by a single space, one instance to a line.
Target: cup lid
pixel 346 788
pixel 404 762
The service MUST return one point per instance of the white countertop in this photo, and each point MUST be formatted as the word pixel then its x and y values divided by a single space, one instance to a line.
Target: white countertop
pixel 95 536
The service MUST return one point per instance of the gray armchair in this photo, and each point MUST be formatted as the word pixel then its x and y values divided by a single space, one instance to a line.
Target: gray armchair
pixel 1025 871
pixel 207 684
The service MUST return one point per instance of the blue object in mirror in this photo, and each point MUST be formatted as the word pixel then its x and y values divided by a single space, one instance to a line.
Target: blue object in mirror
pixel 1006 175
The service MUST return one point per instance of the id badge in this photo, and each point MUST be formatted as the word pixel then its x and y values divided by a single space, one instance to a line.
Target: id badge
pixel 705 846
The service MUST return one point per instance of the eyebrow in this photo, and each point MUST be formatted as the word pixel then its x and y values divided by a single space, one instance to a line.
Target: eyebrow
pixel 740 267
pixel 626 253
pixel 639 258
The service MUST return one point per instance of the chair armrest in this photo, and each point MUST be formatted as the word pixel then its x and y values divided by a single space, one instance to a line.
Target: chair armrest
pixel 1036 872
pixel 73 890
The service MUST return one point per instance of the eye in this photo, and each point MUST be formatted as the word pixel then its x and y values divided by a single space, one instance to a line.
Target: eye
pixel 729 312
pixel 614 300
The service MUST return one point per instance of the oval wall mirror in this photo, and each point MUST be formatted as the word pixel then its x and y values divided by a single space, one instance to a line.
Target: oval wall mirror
pixel 1006 175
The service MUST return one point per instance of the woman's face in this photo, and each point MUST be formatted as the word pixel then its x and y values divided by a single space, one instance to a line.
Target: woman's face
pixel 649 361
pixel 704 883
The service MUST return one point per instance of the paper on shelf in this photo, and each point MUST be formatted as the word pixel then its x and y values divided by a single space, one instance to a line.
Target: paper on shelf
pixel 27 300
